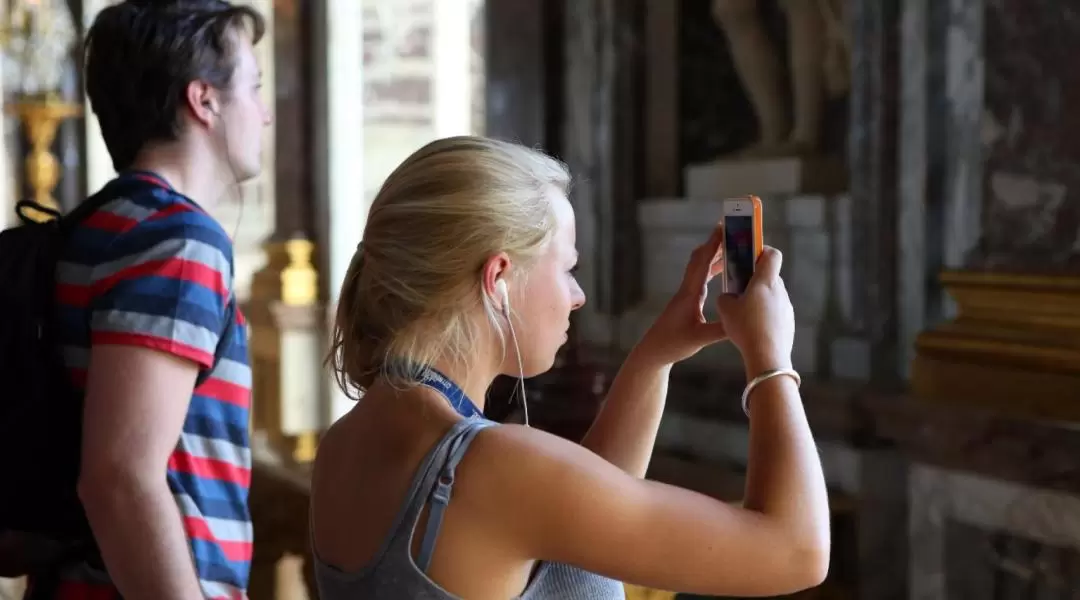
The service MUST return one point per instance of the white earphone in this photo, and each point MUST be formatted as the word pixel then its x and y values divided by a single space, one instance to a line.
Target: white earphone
pixel 504 296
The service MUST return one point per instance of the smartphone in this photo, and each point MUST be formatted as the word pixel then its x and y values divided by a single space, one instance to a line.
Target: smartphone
pixel 743 241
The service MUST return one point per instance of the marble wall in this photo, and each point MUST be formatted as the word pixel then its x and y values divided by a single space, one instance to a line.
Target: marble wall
pixel 961 155
pixel 1031 171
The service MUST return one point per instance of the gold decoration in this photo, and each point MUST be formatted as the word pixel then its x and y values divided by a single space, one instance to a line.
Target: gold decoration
pixel 306 445
pixel 285 318
pixel 299 280
pixel 41 118
pixel 1013 347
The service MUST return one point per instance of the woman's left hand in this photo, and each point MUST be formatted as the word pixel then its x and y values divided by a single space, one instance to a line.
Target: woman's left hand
pixel 681 330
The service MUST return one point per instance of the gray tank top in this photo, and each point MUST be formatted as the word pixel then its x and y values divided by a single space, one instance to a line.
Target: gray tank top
pixel 392 573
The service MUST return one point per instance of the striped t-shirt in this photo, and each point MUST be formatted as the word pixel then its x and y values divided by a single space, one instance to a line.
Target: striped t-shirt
pixel 153 269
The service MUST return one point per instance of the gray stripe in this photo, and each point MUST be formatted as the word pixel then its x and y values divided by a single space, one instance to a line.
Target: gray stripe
pixel 187 249
pixel 217 589
pixel 203 447
pixel 128 209
pixel 192 250
pixel 231 371
pixel 226 530
pixel 168 328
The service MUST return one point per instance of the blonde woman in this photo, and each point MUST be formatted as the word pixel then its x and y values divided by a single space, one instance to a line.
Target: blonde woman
pixel 466 272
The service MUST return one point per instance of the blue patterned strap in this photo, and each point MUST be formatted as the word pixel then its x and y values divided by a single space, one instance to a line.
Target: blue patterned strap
pixel 440 494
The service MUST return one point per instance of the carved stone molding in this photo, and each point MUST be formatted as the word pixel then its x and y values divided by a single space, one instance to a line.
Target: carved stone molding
pixel 1014 346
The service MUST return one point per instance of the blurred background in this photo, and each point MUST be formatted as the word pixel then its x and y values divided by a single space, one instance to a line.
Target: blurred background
pixel 917 164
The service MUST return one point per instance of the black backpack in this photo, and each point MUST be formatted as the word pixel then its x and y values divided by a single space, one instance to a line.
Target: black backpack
pixel 42 522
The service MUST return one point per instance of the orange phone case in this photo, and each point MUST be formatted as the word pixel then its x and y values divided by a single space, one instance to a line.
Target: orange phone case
pixel 759 232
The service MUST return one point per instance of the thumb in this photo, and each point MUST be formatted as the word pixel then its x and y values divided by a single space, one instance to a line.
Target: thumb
pixel 768 265
pixel 725 304
pixel 713 331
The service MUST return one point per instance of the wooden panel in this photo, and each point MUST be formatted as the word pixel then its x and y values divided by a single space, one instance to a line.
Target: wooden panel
pixel 293 117
pixel 661 114
pixel 517 73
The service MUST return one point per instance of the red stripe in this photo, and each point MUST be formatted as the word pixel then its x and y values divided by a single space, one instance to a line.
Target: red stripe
pixel 78 377
pixel 174 268
pixel 209 468
pixel 170 210
pixel 107 221
pixel 223 391
pixel 112 338
pixel 76 296
pixel 234 551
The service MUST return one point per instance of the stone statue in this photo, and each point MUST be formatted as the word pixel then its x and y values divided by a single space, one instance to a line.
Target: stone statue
pixel 819 64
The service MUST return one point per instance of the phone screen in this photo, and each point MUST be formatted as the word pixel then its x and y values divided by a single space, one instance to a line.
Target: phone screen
pixel 738 253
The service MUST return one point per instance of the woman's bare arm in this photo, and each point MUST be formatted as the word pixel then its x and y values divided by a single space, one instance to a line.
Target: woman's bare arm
pixel 625 430
pixel 556 501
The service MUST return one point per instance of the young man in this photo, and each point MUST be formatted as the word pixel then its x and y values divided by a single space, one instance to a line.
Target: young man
pixel 145 305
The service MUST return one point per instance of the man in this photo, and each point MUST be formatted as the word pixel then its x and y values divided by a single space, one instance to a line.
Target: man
pixel 145 305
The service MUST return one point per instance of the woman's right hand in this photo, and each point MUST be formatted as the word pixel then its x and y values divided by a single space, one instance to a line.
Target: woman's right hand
pixel 761 321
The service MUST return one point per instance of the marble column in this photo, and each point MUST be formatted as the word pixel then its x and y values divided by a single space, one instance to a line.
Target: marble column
pixel 452 69
pixel 600 134
pixel 518 40
pixel 339 54
pixel 872 163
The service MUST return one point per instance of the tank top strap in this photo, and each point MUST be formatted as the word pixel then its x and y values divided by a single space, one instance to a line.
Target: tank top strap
pixel 401 531
pixel 441 490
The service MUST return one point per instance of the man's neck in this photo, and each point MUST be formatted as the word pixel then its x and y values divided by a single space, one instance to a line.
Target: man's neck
pixel 197 179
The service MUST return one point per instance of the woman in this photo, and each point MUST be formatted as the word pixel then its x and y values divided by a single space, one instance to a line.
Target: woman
pixel 465 273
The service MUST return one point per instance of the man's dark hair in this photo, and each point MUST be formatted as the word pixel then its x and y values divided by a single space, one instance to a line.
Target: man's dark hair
pixel 142 54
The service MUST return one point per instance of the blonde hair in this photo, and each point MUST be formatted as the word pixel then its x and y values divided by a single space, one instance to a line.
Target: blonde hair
pixel 415 281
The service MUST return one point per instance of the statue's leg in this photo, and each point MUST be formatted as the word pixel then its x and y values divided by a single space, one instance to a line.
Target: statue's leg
pixel 806 32
pixel 757 64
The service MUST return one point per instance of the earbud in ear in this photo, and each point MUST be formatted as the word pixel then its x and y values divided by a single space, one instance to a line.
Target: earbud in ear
pixel 504 296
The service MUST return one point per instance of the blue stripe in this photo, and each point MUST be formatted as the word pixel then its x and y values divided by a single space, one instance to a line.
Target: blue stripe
pixel 224 493
pixel 88 246
pixel 233 509
pixel 166 298
pixel 237 350
pixel 181 226
pixel 218 420
pixel 215 567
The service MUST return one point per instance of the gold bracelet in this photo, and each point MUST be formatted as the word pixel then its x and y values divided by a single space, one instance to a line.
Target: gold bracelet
pixel 792 373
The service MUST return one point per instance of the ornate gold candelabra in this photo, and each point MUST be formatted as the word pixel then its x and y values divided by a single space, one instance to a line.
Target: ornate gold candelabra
pixel 36 37
pixel 40 119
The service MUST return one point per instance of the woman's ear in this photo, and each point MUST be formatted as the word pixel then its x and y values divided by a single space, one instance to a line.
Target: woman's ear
pixel 496 268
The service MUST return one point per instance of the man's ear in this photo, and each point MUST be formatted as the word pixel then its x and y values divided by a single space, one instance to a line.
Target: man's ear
pixel 202 102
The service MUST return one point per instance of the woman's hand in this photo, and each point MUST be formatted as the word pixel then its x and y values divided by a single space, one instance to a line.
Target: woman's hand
pixel 761 321
pixel 681 329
